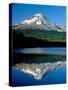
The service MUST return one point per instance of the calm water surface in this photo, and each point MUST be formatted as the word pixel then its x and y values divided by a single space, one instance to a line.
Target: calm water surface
pixel 57 76
pixel 48 50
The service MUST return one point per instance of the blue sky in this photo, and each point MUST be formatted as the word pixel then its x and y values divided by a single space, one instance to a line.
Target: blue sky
pixel 56 14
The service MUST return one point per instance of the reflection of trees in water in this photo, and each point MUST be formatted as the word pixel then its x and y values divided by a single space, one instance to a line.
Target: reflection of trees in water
pixel 30 58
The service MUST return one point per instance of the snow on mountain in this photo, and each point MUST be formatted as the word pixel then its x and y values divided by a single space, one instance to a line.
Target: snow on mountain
pixel 38 21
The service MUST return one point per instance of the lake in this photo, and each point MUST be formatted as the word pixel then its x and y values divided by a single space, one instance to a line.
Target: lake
pixel 56 76
pixel 49 50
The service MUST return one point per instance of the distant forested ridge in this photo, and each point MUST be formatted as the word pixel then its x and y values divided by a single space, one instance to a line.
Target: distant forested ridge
pixel 38 38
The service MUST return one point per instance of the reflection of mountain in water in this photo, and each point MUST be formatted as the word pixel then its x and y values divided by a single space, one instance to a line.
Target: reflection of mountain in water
pixel 40 65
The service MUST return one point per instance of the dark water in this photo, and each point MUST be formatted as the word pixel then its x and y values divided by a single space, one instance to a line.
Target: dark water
pixel 57 76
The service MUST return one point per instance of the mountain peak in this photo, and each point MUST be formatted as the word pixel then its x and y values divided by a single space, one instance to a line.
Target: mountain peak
pixel 38 21
pixel 39 15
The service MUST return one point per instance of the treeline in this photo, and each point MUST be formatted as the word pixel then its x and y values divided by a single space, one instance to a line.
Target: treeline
pixel 21 39
pixel 45 35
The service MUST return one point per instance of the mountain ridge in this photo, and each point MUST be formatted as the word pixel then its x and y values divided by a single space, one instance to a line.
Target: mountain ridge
pixel 38 21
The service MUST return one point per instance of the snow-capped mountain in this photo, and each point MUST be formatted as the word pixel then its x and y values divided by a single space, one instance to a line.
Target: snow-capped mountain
pixel 38 21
